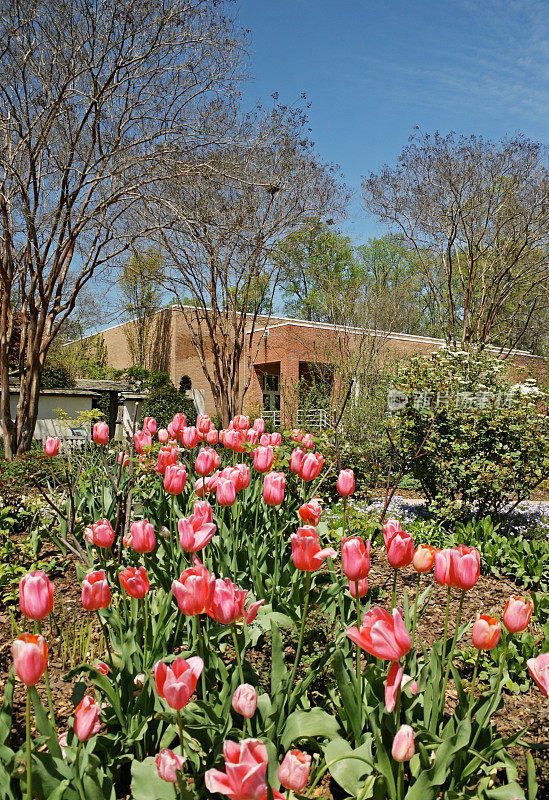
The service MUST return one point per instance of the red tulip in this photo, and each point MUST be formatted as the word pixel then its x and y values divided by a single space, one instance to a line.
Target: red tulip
pixel 191 590
pixel 244 700
pixel 124 459
pixel 293 773
pixel 310 512
pixel 100 433
pixel 96 593
pixel 234 440
pixel 539 670
pixel 102 667
pixel 382 635
pixel 400 550
pixel 86 718
pixel 245 776
pixel 175 478
pixel 149 424
pixel 346 482
pixel 51 446
pixel 306 553
pixel 239 475
pixel 403 744
pixel 135 582
pixel 100 533
pixel 241 422
pixel 203 423
pixel 168 765
pixel 142 537
pixel 273 488
pixel 142 440
pixel 308 442
pixel 176 683
pixel 356 558
pixel 263 459
pixel 36 595
pixel 311 466
pixel 30 657
pixel 486 632
pixel 518 611
pixel 226 601
pixel 424 557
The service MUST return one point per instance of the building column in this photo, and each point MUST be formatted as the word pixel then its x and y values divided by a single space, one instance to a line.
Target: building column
pixel 289 390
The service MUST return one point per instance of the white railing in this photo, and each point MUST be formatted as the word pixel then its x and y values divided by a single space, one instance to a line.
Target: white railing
pixel 272 416
pixel 313 418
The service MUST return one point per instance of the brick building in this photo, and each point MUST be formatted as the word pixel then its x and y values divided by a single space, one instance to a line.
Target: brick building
pixel 283 352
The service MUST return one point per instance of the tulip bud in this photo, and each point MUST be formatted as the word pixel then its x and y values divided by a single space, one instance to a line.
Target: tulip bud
pixel 168 765
pixel 149 424
pixel 51 446
pixel 100 433
pixel 403 744
pixel 244 700
pixel 175 478
pixel 346 482
pixel 135 582
pixel 259 425
pixel 36 595
pixel 518 611
pixel 486 632
pixel 226 492
pixel 96 593
pixel 293 773
pixel 86 718
pixel 189 437
pixel 424 557
pixel 311 466
pixel 263 459
pixel 274 484
pixel 142 536
pixel 362 588
pixel 30 657
pixel 163 435
pixel 142 440
pixel 356 558
pixel 400 550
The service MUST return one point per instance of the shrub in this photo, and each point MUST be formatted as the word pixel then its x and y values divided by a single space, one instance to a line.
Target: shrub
pixel 487 442
pixel 165 401
pixel 57 377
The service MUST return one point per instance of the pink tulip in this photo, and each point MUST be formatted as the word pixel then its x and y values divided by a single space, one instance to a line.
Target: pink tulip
pixel 172 432
pixel 100 533
pixel 176 683
pixel 308 442
pixel 124 459
pixel 356 558
pixel 149 424
pixel 273 488
pixel 296 459
pixel 539 670
pixel 135 581
pixel 226 493
pixel 458 567
pixel 189 437
pixel 205 461
pixel 212 437
pixel 241 422
pixel 191 590
pixel 168 765
pixel 51 446
pixel 239 475
pixel 362 588
pixel 142 440
pixel 306 553
pixel 271 439
pixel 263 459
pixel 62 739
pixel 293 773
pixel 400 550
pixel 244 700
pixel 310 512
pixel 86 718
pixel 382 635
pixel 407 680
pixel 30 657
pixel 142 537
pixel 311 466
pixel 394 680
pixel 226 601
pixel 296 435
pixel 195 531
pixel 234 440
pixel 163 435
pixel 424 557
pixel 346 482
pixel 178 423
pixel 96 593
pixel 100 433
pixel 175 478
pixel 403 744
pixel 245 771
pixel 167 456
pixel 391 527
pixel 36 595
pixel 259 425
pixel 517 613
pixel 486 632
pixel 203 423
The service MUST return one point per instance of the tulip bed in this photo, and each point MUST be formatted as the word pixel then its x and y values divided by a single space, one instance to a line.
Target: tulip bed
pixel 204 559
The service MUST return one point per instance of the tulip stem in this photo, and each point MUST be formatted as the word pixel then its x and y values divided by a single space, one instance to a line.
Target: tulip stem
pixel 201 649
pixel 145 631
pixel 48 688
pixel 472 695
pixel 180 726
pixel 172 527
pixel 415 609
pixel 393 596
pixel 29 761
pixel 490 709
pixel 106 638
pixel 276 548
pixel 452 648
pixel 77 772
pixel 400 781
pixel 301 632
pixel 237 651
pixel 446 623
pixel 254 549
pixel 358 670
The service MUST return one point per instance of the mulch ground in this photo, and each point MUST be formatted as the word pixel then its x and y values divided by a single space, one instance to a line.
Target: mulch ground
pixel 529 710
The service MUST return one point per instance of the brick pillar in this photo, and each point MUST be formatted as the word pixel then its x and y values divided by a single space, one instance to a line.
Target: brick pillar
pixel 289 390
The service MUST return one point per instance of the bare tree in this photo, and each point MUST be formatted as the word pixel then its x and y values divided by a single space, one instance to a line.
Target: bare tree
pixel 475 213
pixel 141 296
pixel 219 225
pixel 92 91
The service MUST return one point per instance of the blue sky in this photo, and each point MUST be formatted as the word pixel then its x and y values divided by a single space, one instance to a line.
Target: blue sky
pixel 373 69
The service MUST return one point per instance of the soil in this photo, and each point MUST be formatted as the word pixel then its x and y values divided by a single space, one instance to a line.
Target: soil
pixel 528 711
